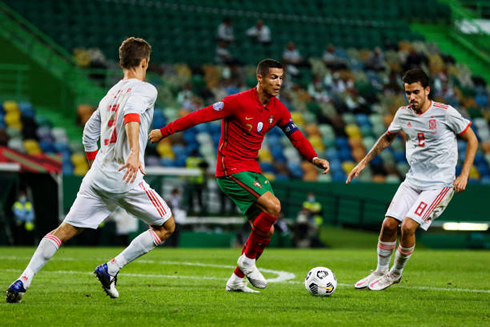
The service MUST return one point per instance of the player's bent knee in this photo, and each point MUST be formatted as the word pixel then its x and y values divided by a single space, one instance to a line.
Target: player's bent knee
pixel 409 227
pixel 164 231
pixel 275 209
pixel 390 224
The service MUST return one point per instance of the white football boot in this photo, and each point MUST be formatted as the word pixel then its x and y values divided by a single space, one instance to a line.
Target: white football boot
pixel 384 282
pixel 250 270
pixel 373 276
pixel 237 284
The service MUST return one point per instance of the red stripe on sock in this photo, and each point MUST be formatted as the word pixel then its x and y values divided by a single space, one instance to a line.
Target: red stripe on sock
pixel 53 238
pixel 405 252
pixel 158 241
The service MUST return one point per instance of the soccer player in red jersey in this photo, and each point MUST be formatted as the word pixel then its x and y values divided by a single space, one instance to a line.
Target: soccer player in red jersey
pixel 246 118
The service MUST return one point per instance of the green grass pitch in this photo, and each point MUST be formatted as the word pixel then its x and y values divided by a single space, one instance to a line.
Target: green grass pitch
pixel 186 287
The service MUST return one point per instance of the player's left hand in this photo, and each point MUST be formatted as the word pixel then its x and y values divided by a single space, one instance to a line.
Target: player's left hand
pixel 459 183
pixel 322 164
pixel 155 136
pixel 132 166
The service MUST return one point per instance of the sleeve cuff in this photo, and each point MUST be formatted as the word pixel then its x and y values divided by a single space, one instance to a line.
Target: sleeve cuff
pixel 91 155
pixel 131 118
pixel 392 132
pixel 465 129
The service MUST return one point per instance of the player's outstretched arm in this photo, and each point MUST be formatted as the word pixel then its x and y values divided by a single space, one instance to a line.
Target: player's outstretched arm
pixel 219 110
pixel 460 182
pixel 133 163
pixel 383 142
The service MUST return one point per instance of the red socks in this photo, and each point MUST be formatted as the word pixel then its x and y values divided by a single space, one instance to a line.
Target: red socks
pixel 260 233
pixel 259 238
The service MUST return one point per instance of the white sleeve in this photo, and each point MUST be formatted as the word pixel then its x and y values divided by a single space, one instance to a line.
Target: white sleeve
pixel 91 132
pixel 457 123
pixel 140 100
pixel 395 124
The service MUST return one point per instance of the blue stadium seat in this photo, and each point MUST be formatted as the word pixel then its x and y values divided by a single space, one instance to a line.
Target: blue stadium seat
pixel 295 169
pixel 267 167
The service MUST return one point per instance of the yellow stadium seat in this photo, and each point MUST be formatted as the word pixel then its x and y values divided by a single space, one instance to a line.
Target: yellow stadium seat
pixel 164 148
pixel 10 106
pixel 78 159
pixel 32 147
pixel 298 118
pixel 270 176
pixel 347 166
pixel 265 155
pixel 474 173
pixel 12 119
pixel 316 142
pixel 80 170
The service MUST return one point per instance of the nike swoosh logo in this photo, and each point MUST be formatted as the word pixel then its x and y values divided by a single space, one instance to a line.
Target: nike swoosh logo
pixel 329 288
pixel 248 118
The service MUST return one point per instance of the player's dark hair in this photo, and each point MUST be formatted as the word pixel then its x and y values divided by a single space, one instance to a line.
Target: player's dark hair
pixel 132 51
pixel 264 65
pixel 416 75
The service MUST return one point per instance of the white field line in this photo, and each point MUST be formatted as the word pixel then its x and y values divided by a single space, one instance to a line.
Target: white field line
pixel 282 276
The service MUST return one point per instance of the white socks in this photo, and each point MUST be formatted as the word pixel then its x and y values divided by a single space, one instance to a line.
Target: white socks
pixel 385 250
pixel 45 250
pixel 143 243
pixel 401 257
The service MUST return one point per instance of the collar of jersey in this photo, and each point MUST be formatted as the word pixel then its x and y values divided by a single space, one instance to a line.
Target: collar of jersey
pixel 256 96
pixel 431 103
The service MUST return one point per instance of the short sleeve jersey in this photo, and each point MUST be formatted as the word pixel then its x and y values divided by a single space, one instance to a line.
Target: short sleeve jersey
pixel 431 147
pixel 128 100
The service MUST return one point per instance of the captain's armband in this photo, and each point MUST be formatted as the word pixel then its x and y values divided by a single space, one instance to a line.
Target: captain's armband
pixel 290 128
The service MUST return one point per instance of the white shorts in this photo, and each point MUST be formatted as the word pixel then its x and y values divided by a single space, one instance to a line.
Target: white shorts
pixel 93 206
pixel 421 206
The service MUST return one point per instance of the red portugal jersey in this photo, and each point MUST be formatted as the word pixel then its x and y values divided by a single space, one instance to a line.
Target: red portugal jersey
pixel 245 122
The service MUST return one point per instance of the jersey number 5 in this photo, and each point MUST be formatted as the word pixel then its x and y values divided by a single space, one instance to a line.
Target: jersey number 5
pixel 421 138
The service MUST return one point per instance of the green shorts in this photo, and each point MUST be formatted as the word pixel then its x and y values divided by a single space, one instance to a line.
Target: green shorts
pixel 244 189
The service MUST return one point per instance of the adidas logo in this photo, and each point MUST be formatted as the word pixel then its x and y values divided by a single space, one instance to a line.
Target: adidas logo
pixel 409 124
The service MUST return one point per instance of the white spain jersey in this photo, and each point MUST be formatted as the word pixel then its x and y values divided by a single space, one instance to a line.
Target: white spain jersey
pixel 128 100
pixel 431 147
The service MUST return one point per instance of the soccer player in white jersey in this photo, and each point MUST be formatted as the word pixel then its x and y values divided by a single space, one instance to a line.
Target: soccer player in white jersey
pixel 121 122
pixel 432 153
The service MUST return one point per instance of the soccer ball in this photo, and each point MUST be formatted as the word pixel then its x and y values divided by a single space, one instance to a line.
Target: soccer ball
pixel 320 281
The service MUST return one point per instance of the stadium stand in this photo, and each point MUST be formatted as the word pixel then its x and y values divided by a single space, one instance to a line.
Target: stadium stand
pixel 342 108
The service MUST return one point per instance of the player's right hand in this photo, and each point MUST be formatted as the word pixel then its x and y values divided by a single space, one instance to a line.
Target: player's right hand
pixel 132 166
pixel 155 136
pixel 355 171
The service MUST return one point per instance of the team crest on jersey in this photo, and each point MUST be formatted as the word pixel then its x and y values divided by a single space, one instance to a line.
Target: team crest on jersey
pixel 409 124
pixel 260 125
pixel 257 184
pixel 218 106
pixel 432 124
